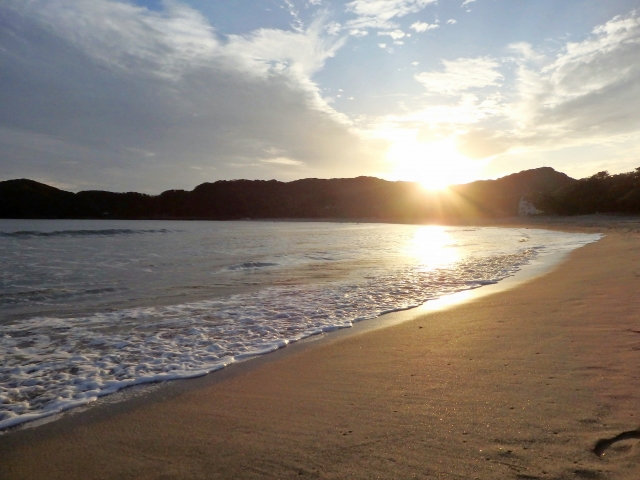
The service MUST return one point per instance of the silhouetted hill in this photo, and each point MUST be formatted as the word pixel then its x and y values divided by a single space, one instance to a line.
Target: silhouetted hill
pixel 361 197
pixel 500 198
pixel 600 193
pixel 25 198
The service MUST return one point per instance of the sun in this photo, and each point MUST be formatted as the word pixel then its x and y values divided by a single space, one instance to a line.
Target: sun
pixel 435 165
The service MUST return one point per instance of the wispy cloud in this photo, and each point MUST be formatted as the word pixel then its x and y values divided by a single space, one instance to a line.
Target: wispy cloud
pixel 461 75
pixel 525 51
pixel 133 39
pixel 297 24
pixel 395 34
pixel 379 13
pixel 282 161
pixel 423 27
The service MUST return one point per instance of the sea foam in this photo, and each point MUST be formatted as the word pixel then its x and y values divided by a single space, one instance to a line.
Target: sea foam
pixel 51 364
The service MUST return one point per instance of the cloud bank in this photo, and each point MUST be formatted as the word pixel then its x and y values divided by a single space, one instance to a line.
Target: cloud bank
pixel 588 92
pixel 585 93
pixel 138 96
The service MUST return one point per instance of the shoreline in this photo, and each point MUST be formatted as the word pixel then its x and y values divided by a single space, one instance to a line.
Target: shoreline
pixel 281 402
pixel 535 268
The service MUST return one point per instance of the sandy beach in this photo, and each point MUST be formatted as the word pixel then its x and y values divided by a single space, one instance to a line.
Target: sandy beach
pixel 521 384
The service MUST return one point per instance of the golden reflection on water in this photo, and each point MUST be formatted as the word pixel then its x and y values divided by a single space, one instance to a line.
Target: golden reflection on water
pixel 433 247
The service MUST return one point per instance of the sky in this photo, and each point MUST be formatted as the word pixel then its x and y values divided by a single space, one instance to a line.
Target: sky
pixel 151 95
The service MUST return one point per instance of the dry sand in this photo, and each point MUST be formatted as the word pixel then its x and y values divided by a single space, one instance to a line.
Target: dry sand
pixel 520 384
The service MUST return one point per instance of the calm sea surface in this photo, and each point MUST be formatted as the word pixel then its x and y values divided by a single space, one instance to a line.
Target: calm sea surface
pixel 90 307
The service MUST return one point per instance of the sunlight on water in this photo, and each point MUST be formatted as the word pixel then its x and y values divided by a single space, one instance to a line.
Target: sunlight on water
pixel 431 247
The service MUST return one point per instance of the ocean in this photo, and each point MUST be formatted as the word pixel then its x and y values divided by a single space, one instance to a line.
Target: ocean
pixel 90 307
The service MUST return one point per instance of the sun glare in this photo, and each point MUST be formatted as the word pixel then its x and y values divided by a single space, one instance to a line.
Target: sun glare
pixel 434 165
pixel 431 247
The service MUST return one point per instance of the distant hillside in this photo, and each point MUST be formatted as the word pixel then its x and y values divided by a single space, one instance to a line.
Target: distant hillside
pixel 344 198
pixel 600 193
pixel 500 198
pixel 28 199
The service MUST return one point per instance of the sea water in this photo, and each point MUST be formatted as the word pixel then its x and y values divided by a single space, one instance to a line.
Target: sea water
pixel 90 307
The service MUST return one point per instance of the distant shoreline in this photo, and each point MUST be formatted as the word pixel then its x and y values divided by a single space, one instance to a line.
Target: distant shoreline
pixel 607 221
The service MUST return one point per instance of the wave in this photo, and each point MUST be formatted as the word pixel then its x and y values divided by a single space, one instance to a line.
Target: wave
pixel 51 364
pixel 251 265
pixel 19 297
pixel 324 258
pixel 81 233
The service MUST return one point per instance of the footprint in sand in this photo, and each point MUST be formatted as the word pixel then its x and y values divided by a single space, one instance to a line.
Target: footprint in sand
pixel 604 443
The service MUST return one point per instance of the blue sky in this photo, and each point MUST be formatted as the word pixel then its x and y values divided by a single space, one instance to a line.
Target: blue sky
pixel 149 95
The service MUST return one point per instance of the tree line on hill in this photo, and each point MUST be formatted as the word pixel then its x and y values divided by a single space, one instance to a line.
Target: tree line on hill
pixel 600 193
pixel 344 198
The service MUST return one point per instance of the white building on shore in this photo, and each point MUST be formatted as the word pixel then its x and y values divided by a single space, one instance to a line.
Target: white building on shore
pixel 526 208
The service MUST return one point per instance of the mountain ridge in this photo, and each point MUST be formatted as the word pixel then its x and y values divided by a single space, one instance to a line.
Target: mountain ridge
pixel 340 198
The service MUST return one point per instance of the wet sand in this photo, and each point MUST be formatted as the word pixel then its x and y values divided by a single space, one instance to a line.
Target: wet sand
pixel 521 384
